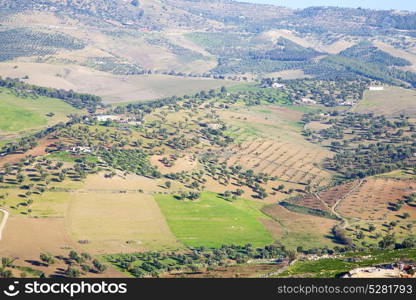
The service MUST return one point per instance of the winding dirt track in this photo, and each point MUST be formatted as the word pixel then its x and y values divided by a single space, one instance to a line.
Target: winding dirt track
pixel 344 222
pixel 3 221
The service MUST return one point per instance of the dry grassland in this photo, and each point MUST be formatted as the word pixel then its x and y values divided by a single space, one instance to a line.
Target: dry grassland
pixel 380 102
pixel 115 219
pixel 112 88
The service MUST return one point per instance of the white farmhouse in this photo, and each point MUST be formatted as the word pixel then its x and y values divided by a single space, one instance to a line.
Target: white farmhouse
pixel 103 118
pixel 376 88
pixel 277 85
pixel 308 101
pixel 81 150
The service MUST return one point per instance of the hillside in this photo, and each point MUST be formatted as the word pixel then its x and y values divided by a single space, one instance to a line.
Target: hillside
pixel 205 138
pixel 218 39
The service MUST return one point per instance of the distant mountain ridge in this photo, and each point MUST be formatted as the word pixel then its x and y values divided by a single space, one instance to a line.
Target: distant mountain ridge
pixel 146 12
pixel 210 38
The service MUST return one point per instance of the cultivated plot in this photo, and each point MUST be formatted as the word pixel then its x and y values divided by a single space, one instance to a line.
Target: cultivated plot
pixel 117 219
pixel 213 221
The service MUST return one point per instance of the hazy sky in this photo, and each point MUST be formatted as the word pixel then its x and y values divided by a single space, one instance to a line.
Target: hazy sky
pixel 375 4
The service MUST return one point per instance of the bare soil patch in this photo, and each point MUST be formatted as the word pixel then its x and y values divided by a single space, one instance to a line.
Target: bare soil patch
pixel 237 271
pixel 26 237
pixel 181 164
pixel 36 151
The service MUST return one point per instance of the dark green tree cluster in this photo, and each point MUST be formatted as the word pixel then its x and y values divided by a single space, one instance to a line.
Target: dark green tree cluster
pixel 135 161
pixel 152 263
pixel 77 100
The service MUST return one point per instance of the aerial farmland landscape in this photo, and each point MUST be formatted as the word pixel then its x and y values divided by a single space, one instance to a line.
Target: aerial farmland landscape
pixel 206 139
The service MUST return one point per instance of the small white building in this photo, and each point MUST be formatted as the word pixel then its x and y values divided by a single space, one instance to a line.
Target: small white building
pixel 103 118
pixel 308 101
pixel 81 150
pixel 348 103
pixel 277 85
pixel 376 88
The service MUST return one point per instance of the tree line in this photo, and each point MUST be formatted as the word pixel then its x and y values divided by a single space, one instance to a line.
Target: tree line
pixel 77 100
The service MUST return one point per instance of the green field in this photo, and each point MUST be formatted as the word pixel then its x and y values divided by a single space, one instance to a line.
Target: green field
pixel 242 133
pixel 332 267
pixel 213 221
pixel 14 118
pixel 19 113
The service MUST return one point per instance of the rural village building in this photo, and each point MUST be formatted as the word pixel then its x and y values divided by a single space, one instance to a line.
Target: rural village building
pixel 376 88
pixel 103 118
pixel 81 150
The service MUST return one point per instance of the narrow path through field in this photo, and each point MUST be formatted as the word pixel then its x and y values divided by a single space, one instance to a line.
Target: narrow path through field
pixel 3 221
pixel 279 271
pixel 344 222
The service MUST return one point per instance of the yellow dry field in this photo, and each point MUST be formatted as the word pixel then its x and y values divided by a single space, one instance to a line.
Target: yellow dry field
pixel 25 238
pixel 134 47
pixel 22 19
pixel 115 219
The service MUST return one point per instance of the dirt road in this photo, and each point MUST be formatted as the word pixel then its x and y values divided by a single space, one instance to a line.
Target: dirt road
pixel 3 221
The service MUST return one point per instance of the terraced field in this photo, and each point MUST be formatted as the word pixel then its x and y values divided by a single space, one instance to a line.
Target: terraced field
pixel 372 200
pixel 331 195
pixel 288 161
pixel 311 201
